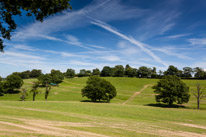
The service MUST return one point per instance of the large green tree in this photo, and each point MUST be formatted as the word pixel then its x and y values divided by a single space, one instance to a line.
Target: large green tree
pixel 98 89
pixel 37 8
pixel 171 89
pixel 12 83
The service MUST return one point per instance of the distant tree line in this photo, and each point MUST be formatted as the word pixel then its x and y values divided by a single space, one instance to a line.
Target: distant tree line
pixel 56 76
pixel 141 72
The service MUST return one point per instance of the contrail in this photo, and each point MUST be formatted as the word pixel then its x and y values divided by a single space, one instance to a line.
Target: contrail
pixel 128 38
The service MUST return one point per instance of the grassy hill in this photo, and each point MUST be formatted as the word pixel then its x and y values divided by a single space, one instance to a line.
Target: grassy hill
pixel 132 113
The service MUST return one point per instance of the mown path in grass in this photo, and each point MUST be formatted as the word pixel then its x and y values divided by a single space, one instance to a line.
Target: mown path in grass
pixel 71 118
pixel 136 93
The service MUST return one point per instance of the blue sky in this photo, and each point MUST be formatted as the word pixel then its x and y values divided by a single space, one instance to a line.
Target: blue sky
pixel 99 33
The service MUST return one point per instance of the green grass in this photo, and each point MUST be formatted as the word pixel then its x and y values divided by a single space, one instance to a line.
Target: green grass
pixel 64 113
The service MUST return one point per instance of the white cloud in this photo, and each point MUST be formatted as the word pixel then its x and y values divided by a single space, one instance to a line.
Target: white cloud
pixel 73 40
pixel 81 63
pixel 194 41
pixel 110 58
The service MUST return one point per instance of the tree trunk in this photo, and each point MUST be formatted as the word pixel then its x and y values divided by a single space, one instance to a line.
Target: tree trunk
pixel 34 97
pixel 198 103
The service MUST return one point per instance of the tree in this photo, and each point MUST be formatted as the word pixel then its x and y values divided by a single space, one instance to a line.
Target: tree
pixel 171 71
pixel 118 71
pixel 132 72
pixel 187 72
pixel 88 73
pixel 48 88
pixel 96 72
pixel 1 88
pixel 127 69
pixel 160 73
pixel 56 76
pixel 70 73
pixel 39 9
pixel 199 73
pixel 199 94
pixel 107 71
pixel 45 79
pixel 25 74
pixel 35 73
pixel 23 94
pixel 13 82
pixel 98 89
pixel 144 72
pixel 171 89
pixel 154 73
pixel 0 78
pixel 82 73
pixel 34 90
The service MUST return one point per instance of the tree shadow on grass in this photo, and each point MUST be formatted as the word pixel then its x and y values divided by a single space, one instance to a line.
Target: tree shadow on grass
pixel 165 105
pixel 93 101
pixel 12 92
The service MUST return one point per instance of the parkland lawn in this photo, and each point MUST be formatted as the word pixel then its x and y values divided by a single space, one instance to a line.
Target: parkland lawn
pixel 133 112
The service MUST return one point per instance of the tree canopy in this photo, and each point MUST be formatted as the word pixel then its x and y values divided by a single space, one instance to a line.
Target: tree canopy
pixel 106 71
pixel 70 73
pixel 171 89
pixel 38 9
pixel 12 82
pixel 98 89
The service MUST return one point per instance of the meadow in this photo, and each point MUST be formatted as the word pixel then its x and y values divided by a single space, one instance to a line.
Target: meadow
pixel 133 112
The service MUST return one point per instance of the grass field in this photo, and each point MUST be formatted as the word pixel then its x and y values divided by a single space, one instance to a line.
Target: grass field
pixel 133 112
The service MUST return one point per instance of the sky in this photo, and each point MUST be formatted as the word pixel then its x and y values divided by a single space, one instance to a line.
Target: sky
pixel 98 33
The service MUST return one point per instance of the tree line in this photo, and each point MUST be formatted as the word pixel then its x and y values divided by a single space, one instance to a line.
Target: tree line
pixel 141 72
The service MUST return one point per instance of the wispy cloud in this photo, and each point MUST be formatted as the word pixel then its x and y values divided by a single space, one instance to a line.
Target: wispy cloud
pixel 128 38
pixel 79 18
pixel 177 36
pixel 20 55
pixel 110 58
pixel 158 20
pixel 169 51
pixel 199 41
